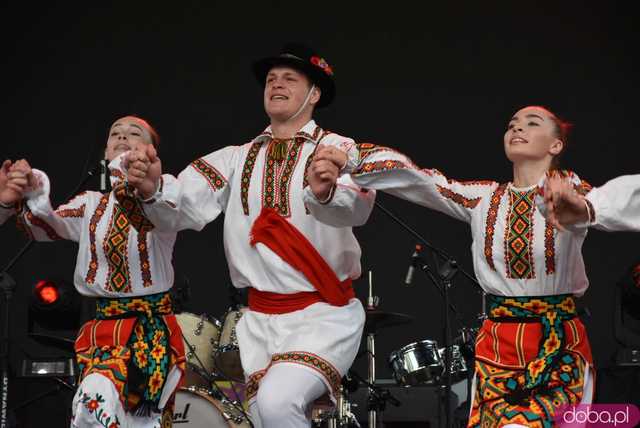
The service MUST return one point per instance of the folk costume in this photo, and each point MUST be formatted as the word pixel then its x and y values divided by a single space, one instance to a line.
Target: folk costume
pixel 131 356
pixel 304 324
pixel 532 353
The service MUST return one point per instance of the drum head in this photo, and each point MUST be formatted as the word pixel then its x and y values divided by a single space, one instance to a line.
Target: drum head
pixel 194 407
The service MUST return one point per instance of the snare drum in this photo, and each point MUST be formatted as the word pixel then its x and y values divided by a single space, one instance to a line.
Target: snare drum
pixel 417 363
pixel 458 365
pixel 227 355
pixel 200 334
pixel 197 407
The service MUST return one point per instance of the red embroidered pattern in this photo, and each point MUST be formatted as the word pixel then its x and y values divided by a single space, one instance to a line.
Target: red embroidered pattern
pixel 214 178
pixel 116 251
pixel 135 215
pixel 377 166
pixel 457 197
pixel 492 216
pixel 285 178
pixel 117 174
pixel 325 368
pixel 143 251
pixel 72 212
pixel 253 384
pixel 247 170
pixel 549 248
pixel 321 365
pixel 36 221
pixel 93 224
pixel 268 180
pixel 519 235
pixel 275 187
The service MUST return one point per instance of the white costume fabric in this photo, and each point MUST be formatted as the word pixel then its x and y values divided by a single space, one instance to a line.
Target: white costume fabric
pixel 242 180
pixel 617 204
pixel 90 219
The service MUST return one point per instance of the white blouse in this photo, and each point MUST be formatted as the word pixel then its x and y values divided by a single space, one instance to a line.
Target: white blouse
pixel 114 258
pixel 617 204
pixel 240 181
pixel 515 251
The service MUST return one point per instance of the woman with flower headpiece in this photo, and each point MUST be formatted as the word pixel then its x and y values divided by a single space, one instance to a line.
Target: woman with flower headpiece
pixel 303 326
pixel 532 353
pixel 131 356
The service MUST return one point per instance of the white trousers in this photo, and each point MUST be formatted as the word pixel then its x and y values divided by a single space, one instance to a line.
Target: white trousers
pixel 285 396
pixel 97 404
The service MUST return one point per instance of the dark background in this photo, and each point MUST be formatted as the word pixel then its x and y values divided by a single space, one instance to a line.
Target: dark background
pixel 437 81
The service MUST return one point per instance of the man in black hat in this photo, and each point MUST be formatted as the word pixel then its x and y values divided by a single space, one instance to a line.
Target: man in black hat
pixel 304 324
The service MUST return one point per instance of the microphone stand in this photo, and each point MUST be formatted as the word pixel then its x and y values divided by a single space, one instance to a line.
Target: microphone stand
pixel 8 286
pixel 446 272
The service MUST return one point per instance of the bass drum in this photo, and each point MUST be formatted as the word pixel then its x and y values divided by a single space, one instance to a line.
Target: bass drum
pixel 200 334
pixel 197 407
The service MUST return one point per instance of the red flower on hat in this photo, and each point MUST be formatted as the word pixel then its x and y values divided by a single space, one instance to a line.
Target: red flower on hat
pixel 320 62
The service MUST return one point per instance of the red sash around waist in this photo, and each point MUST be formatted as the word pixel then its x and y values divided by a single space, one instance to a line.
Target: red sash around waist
pixel 293 247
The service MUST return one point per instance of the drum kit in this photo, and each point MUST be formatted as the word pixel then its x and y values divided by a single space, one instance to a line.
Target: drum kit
pixel 212 393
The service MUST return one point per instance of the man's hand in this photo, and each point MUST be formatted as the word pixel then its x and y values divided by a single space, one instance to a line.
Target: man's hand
pixel 143 170
pixel 324 170
pixel 564 205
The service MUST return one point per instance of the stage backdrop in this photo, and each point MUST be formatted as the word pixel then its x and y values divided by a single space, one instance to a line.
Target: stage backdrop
pixel 438 82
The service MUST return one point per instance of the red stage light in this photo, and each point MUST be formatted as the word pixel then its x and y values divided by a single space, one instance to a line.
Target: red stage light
pixel 47 292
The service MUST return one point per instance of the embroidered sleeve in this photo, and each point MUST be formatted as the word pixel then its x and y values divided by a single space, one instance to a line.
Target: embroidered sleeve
pixel 386 169
pixel 41 222
pixel 616 204
pixel 197 196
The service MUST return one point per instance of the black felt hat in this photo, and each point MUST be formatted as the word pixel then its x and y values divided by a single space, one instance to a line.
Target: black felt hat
pixel 307 61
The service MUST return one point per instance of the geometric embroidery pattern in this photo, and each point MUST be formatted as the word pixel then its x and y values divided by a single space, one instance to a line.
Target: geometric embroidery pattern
pixel 458 198
pixel 383 165
pixel 285 177
pixel 93 224
pixel 307 359
pixel 72 212
pixel 214 178
pixel 149 345
pixel 277 178
pixel 551 312
pixel 492 216
pixel 36 221
pixel 519 238
pixel 554 378
pixel 494 404
pixel 247 170
pixel 115 250
pixel 549 248
pixel 135 214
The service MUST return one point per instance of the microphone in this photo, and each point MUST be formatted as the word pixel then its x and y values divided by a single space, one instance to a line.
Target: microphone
pixel 408 280
pixel 103 175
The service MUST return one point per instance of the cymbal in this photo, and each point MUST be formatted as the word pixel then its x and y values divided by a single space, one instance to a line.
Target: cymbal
pixel 56 341
pixel 377 319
